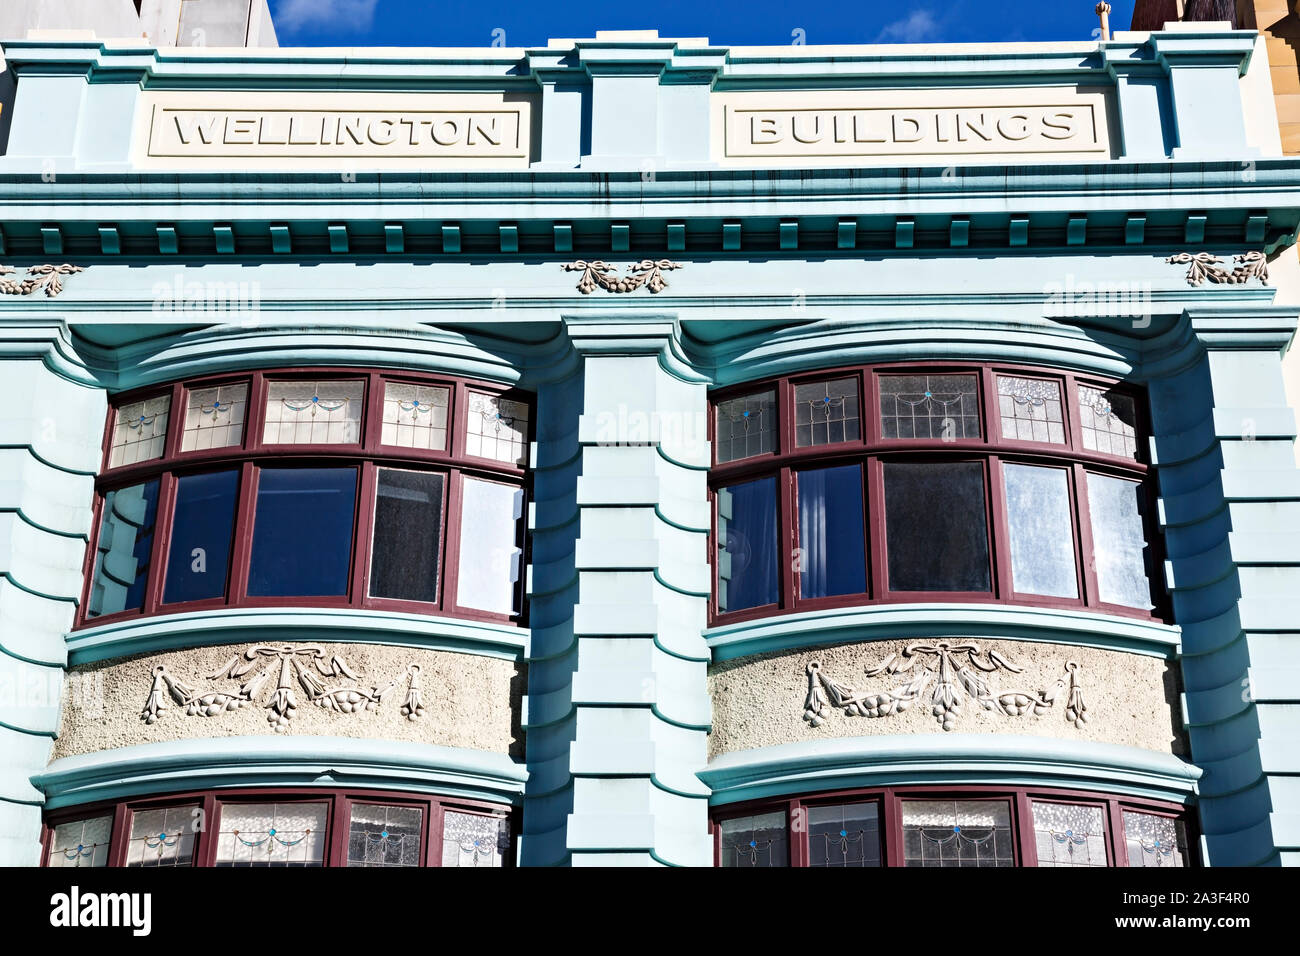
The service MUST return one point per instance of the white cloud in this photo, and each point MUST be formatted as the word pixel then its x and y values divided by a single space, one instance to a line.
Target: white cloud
pixel 292 16
pixel 920 26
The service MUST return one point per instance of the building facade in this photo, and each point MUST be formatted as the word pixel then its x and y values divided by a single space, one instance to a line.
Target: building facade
pixel 642 451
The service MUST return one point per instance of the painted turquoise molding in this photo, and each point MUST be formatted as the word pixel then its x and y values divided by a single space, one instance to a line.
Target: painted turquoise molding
pixel 50 431
pixel 280 761
pixel 1011 760
pixel 153 635
pixel 900 621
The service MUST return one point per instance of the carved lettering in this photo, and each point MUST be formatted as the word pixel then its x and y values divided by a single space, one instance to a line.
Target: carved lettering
pixel 891 130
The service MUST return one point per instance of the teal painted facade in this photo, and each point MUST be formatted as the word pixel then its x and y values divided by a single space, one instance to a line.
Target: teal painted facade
pixel 459 271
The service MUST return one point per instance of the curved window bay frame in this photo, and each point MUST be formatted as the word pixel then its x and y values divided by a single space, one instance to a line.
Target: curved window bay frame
pixel 367 456
pixel 888 803
pixel 200 814
pixel 989 451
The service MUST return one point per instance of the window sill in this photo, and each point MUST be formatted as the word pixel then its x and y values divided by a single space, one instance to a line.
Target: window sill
pixel 279 624
pixel 900 621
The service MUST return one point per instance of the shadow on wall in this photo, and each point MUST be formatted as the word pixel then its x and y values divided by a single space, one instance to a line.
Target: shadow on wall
pixel 8 88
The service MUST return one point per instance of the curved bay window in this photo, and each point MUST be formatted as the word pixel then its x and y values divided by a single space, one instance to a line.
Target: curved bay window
pixel 934 827
pixel 302 828
pixel 935 483
pixel 321 488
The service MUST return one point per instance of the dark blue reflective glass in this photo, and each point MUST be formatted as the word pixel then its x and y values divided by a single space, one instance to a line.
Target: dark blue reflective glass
pixel 748 563
pixel 935 528
pixel 198 557
pixel 122 555
pixel 302 532
pixel 832 548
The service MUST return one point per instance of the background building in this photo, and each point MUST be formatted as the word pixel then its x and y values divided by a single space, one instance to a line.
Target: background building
pixel 639 450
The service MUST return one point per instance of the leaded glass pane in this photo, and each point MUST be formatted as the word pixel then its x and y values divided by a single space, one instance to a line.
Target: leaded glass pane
pixel 474 839
pixel 935 526
pixel 1154 840
pixel 139 431
pixel 81 842
pixel 943 407
pixel 957 833
pixel 381 835
pixel 313 413
pixel 1030 409
pixel 126 526
pixel 1119 540
pixel 214 417
pixel 164 837
pixel 748 561
pixel 1069 834
pixel 415 416
pixel 490 561
pixel 758 840
pixel 844 835
pixel 1041 529
pixel 497 428
pixel 1108 421
pixel 826 412
pixel 272 834
pixel 746 426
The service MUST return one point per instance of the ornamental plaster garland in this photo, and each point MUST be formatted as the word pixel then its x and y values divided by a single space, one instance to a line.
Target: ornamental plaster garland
pixel 956 670
pixel 647 272
pixel 306 663
pixel 1202 266
pixel 46 278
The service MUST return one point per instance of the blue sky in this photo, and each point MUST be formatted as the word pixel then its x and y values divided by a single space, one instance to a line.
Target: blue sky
pixel 726 22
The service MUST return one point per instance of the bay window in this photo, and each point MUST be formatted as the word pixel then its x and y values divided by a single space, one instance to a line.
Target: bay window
pixel 325 488
pixel 951 482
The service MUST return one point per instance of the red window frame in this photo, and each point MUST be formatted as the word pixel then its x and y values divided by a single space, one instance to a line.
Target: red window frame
pixel 367 456
pixel 889 800
pixel 992 450
pixel 338 816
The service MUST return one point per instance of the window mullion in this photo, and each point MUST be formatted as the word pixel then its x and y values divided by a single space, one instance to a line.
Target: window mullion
pixel 162 527
pixel 1087 546
pixel 789 536
pixel 1026 837
pixel 237 589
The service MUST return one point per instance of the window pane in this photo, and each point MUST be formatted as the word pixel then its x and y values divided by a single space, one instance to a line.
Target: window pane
pixel 1119 540
pixel 271 834
pixel 163 837
pixel 944 407
pixel 748 571
pixel 759 840
pixel 81 842
pixel 1068 834
pixel 139 431
pixel 384 836
pixel 407 536
pixel 957 833
pixel 1042 532
pixel 497 428
pixel 214 417
pixel 1030 409
pixel 474 839
pixel 746 426
pixel 415 416
pixel 936 531
pixel 1108 421
pixel 832 560
pixel 489 567
pixel 1154 840
pixel 302 532
pixel 122 554
pixel 826 412
pixel 846 835
pixel 313 413
pixel 199 552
